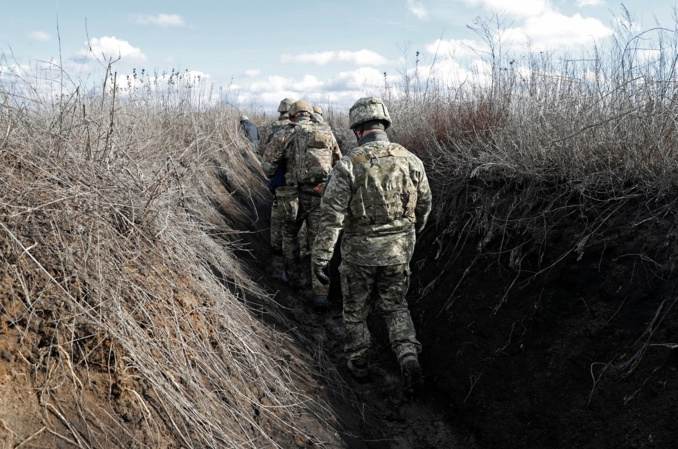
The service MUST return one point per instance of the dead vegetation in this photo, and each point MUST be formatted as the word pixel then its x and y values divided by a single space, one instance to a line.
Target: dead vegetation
pixel 128 321
pixel 551 258
pixel 124 311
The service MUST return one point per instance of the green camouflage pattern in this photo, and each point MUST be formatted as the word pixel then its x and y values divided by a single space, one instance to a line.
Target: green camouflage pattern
pixel 277 150
pixel 316 151
pixel 276 227
pixel 366 109
pixel 270 130
pixel 285 104
pixel 391 283
pixel 284 146
pixel 275 223
pixel 295 264
pixel 373 239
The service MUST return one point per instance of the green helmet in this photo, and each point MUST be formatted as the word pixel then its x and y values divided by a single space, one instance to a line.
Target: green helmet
pixel 285 105
pixel 366 109
pixel 299 107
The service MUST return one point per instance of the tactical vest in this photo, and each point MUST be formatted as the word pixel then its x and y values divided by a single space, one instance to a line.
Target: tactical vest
pixel 385 191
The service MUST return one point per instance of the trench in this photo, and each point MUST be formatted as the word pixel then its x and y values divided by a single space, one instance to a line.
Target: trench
pixel 525 334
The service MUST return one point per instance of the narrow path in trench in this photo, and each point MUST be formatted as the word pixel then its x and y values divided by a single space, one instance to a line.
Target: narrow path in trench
pixel 376 414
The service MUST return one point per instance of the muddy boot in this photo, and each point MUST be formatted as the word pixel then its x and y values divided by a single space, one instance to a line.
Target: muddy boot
pixel 359 369
pixel 413 379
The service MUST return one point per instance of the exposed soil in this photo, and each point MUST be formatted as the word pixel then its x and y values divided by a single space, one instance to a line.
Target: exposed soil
pixel 557 330
pixel 560 329
pixel 547 317
pixel 374 413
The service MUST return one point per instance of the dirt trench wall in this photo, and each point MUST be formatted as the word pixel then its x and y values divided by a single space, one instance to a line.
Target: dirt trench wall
pixel 548 315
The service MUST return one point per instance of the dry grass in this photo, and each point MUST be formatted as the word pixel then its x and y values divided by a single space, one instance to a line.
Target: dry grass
pixel 119 219
pixel 552 151
pixel 598 125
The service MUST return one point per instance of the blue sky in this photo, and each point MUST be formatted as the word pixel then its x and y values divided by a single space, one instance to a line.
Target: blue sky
pixel 327 52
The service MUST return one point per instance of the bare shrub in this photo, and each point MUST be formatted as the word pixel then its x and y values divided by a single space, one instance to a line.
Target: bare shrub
pixel 120 216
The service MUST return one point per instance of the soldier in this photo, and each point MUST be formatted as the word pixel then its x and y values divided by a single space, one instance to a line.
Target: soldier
pixel 250 130
pixel 279 177
pixel 273 127
pixel 309 151
pixel 379 195
pixel 317 115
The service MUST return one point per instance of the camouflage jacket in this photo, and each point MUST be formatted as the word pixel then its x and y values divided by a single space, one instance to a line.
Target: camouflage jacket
pixel 379 196
pixel 270 130
pixel 282 148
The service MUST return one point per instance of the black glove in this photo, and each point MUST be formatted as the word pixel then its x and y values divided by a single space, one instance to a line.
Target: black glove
pixel 322 272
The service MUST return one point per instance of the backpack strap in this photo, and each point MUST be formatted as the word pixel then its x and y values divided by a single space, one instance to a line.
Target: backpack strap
pixel 395 152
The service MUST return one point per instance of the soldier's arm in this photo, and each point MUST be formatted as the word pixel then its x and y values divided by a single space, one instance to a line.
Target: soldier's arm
pixel 333 207
pixel 424 196
pixel 336 152
pixel 273 154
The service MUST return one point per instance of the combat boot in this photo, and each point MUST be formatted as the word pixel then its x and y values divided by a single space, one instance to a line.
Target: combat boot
pixel 413 379
pixel 359 369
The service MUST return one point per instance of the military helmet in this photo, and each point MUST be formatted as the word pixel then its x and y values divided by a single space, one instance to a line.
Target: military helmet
pixel 366 109
pixel 317 110
pixel 285 105
pixel 299 107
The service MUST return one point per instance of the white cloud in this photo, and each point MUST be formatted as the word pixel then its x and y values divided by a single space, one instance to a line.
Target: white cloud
pixel 525 8
pixel 320 58
pixel 252 73
pixel 163 20
pixel 581 3
pixel 362 79
pixel 111 48
pixel 308 83
pixel 417 8
pixel 454 48
pixel 40 36
pixel 552 29
pixel 343 89
pixel 361 57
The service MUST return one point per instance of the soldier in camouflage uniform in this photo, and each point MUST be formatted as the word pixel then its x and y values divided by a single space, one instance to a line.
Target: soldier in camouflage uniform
pixel 272 128
pixel 285 148
pixel 279 178
pixel 317 115
pixel 378 195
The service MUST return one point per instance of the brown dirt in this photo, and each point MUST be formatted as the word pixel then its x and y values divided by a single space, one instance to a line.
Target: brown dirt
pixel 556 325
pixel 375 414
pixel 547 317
pixel 554 329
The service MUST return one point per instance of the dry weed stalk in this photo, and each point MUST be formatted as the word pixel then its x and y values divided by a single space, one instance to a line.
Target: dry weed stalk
pixel 541 140
pixel 115 257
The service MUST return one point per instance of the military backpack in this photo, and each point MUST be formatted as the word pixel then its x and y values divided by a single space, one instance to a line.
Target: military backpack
pixel 313 153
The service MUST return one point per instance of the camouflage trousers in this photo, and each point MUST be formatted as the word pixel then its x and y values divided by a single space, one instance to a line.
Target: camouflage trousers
pixel 295 264
pixel 381 290
pixel 276 227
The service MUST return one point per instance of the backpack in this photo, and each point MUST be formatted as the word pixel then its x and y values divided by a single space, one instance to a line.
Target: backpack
pixel 313 153
pixel 385 192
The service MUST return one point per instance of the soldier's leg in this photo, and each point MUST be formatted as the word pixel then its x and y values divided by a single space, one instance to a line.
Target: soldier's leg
pixel 290 246
pixel 392 283
pixel 276 228
pixel 312 224
pixel 356 286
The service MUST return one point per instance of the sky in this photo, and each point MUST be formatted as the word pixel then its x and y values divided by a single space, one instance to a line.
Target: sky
pixel 330 53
